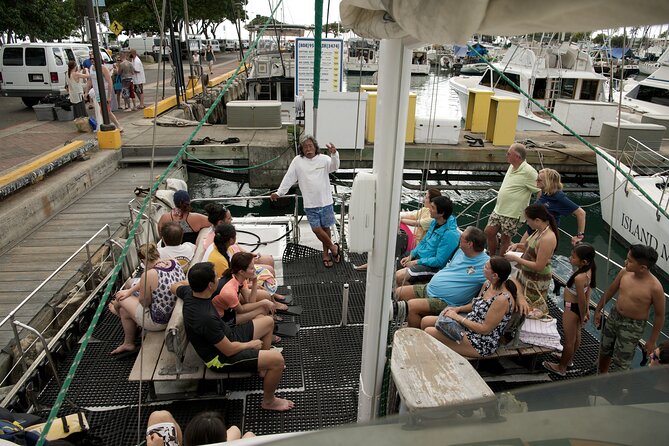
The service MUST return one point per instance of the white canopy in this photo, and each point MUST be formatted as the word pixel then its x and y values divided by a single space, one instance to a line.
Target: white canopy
pixel 455 21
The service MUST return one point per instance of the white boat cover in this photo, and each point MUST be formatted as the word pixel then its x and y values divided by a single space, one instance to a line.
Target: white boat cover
pixel 455 21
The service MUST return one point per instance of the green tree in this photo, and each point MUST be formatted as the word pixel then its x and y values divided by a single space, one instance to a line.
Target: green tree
pixel 38 19
pixel 600 39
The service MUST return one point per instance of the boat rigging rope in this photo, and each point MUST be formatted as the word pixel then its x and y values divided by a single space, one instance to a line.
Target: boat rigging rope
pixel 131 235
pixel 225 168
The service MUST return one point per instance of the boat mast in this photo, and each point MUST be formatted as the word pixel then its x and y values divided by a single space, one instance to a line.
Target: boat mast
pixel 392 108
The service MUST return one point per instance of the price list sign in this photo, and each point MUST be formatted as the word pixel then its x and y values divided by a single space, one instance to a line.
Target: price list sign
pixel 331 65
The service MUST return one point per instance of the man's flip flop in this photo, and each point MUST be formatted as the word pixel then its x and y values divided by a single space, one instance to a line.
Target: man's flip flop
pixel 337 257
pixel 551 368
pixel 294 310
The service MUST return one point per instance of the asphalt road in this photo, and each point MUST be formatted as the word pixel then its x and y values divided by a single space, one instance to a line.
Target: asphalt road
pixel 13 111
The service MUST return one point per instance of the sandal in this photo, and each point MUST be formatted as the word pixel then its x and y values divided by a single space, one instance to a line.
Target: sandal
pixel 276 339
pixel 328 262
pixel 337 257
pixel 551 367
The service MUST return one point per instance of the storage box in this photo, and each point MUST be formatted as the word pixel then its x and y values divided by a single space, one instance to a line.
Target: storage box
pixel 254 115
pixel 44 112
pixel 64 115
pixel 584 117
pixel 442 130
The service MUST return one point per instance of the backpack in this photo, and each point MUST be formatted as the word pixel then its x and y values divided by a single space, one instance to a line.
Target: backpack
pixel 14 432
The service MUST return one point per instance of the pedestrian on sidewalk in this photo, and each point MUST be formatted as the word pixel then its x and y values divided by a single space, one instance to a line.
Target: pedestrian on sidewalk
pixel 209 55
pixel 127 86
pixel 139 78
pixel 75 88
pixel 109 90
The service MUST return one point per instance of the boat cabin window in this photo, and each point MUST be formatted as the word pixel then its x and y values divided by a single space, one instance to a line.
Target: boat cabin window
pixel 568 89
pixel 653 95
pixel 499 82
pixel 589 90
pixel 539 91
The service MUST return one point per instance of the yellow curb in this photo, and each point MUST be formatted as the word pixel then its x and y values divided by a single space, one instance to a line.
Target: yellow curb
pixel 41 161
pixel 162 106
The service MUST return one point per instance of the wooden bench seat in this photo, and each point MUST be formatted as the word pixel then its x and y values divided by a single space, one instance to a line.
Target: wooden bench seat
pixel 428 374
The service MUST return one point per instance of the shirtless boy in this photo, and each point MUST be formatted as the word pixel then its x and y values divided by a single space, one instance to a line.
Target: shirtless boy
pixel 637 290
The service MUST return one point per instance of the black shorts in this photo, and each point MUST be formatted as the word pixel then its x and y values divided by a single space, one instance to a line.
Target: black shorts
pixel 244 361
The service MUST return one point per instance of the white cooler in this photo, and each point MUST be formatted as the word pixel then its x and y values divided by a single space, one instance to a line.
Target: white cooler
pixel 443 131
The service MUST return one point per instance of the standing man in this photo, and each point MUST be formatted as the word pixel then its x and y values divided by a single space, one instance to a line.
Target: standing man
pixel 638 290
pixel 139 78
pixel 311 171
pixel 512 199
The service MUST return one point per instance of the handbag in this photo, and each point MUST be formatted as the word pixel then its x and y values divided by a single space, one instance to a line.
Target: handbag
pixel 534 295
pixel 450 328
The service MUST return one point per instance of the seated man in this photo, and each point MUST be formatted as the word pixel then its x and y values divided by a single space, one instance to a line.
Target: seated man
pixel 436 247
pixel 172 235
pixel 244 348
pixel 455 285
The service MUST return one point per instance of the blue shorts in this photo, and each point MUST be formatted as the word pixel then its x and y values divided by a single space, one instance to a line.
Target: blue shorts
pixel 323 217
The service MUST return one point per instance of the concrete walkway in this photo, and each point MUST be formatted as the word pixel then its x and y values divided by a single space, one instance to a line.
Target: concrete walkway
pixel 24 143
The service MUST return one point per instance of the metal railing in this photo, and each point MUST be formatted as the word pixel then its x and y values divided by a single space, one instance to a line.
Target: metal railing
pixel 90 270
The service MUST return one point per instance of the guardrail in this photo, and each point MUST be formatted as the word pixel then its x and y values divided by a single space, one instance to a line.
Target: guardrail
pixel 90 273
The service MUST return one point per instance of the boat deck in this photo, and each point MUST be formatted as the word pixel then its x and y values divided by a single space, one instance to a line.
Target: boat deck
pixel 322 366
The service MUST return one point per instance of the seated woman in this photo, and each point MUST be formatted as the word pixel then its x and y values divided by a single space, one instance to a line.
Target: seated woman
pixel 191 222
pixel 149 302
pixel 487 315
pixel 225 236
pixel 535 272
pixel 217 214
pixel 420 220
pixel 238 300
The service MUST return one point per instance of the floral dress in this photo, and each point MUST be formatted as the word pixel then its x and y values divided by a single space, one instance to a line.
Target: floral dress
pixel 487 344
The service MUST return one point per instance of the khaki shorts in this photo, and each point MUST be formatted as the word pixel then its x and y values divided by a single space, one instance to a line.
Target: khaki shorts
pixel 507 225
pixel 420 290
pixel 436 305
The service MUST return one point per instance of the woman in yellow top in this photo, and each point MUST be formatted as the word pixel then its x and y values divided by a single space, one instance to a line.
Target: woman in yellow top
pixel 224 236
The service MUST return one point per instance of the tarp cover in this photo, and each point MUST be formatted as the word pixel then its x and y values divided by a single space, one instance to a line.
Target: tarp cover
pixel 455 21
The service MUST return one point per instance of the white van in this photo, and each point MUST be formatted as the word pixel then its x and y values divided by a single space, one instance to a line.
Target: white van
pixel 31 71
pixel 215 45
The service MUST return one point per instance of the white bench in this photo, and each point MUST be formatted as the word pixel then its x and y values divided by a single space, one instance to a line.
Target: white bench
pixel 428 375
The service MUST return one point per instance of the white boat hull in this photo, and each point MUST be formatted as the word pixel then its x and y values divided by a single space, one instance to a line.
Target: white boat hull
pixel 634 218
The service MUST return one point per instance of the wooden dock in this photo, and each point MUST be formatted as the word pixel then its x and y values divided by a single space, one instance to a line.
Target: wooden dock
pixel 33 259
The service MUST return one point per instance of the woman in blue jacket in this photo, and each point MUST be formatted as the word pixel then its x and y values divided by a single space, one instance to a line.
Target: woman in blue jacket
pixel 435 249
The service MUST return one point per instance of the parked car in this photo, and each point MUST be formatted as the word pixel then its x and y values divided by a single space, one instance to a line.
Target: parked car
pixel 32 71
pixel 215 45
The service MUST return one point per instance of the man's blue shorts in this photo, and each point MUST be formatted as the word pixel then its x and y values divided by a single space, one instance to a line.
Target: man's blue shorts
pixel 322 217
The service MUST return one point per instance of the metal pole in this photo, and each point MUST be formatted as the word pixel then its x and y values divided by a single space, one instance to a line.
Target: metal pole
pixel 98 68
pixel 46 350
pixel 18 343
pixel 392 106
pixel 187 25
pixel 344 306
pixel 97 8
pixel 176 55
